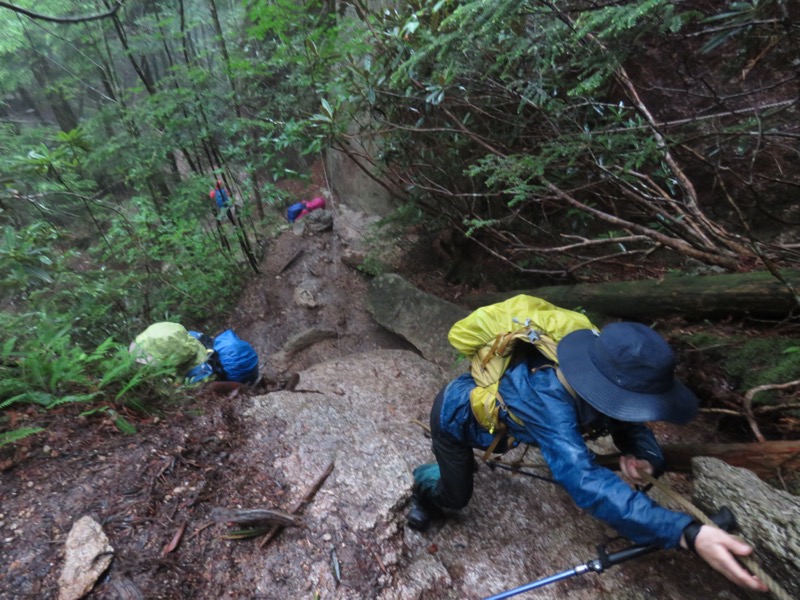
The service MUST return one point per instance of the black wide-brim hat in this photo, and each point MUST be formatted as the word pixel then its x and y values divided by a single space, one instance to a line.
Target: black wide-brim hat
pixel 626 372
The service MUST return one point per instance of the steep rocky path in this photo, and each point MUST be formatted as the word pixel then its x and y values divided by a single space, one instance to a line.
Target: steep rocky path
pixel 360 387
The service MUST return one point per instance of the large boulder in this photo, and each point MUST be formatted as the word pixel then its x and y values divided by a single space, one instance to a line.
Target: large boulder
pixel 358 412
pixel 419 317
pixel 768 518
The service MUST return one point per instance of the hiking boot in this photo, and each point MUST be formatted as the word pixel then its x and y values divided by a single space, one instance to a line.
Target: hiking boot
pixel 419 514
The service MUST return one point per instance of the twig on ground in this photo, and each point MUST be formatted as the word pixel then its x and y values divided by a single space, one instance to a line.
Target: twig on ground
pixel 176 539
pixel 200 530
pixel 307 497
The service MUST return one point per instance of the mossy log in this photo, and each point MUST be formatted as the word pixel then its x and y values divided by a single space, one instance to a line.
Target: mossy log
pixel 758 294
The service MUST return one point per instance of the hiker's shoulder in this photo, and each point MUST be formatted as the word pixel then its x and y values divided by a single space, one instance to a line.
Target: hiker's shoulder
pixel 460 388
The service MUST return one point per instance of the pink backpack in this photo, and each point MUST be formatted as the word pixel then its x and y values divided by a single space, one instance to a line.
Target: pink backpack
pixel 315 204
pixel 301 209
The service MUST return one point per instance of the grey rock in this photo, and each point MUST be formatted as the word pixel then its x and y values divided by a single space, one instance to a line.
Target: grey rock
pixel 306 338
pixel 352 259
pixel 318 221
pixel 768 518
pixel 358 189
pixel 420 318
pixel 358 415
pixel 305 297
pixel 87 555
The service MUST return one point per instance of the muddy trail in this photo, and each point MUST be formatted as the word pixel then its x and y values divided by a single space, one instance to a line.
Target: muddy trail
pixel 168 478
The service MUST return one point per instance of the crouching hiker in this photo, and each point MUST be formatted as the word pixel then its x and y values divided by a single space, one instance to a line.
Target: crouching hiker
pixel 196 356
pixel 606 383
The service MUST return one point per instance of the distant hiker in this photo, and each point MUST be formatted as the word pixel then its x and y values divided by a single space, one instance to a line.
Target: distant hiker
pixel 235 359
pixel 299 210
pixel 608 382
pixel 224 205
pixel 169 344
pixel 220 195
pixel 222 201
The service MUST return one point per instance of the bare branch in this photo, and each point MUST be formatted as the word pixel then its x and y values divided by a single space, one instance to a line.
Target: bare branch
pixel 747 403
pixel 68 20
pixel 587 242
pixel 724 260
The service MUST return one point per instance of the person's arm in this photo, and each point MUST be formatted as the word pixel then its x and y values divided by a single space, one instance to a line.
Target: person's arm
pixel 639 448
pixel 551 420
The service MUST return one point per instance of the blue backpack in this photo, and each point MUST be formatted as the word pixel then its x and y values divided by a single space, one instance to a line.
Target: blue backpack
pixel 294 211
pixel 237 358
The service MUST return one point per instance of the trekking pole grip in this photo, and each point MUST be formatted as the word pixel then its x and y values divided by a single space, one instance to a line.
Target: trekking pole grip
pixel 605 560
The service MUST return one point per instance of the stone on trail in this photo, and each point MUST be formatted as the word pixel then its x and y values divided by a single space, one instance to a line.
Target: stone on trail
pixel 87 555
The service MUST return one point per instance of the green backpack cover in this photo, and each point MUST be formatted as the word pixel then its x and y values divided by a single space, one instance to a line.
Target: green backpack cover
pixel 169 344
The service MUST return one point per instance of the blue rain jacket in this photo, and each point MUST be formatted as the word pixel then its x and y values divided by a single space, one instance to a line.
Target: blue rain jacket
pixel 221 197
pixel 556 422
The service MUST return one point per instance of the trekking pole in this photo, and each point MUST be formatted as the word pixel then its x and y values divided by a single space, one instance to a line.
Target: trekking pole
pixel 596 565
pixel 492 464
pixel 723 518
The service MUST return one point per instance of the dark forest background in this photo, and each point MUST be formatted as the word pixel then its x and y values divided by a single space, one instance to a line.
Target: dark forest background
pixel 574 141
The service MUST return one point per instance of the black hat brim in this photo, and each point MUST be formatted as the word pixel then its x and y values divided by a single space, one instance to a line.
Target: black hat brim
pixel 678 404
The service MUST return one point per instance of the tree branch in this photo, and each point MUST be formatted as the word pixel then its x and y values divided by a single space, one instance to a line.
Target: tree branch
pixel 678 245
pixel 69 20
pixel 747 403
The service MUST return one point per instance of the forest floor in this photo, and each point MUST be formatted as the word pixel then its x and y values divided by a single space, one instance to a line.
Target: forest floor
pixel 153 492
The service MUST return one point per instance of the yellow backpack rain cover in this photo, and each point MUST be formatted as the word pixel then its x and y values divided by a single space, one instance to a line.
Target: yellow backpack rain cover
pixel 487 337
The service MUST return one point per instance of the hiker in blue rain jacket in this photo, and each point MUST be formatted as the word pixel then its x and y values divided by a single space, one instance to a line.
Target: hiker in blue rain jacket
pixel 611 383
pixel 220 195
pixel 222 201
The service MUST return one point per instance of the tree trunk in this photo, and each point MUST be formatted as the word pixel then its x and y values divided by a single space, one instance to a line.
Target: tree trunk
pixel 758 294
pixel 257 193
pixel 28 100
pixel 212 4
pixel 123 39
pixel 144 73
pixel 765 459
pixel 62 110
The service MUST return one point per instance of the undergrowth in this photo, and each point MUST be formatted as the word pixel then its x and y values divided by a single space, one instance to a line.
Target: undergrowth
pixel 750 361
pixel 47 369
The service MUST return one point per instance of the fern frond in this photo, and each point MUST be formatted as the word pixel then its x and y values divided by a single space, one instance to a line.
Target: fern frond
pixel 9 437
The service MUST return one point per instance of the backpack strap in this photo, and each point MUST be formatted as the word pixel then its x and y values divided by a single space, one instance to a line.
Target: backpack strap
pixel 502 430
pixel 567 386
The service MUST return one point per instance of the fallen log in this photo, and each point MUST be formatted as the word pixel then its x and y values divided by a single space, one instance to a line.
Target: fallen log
pixel 765 459
pixel 758 294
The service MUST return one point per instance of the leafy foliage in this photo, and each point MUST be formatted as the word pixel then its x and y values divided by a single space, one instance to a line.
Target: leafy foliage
pixel 10 437
pixel 526 125
pixel 48 369
pixel 481 110
pixel 750 362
